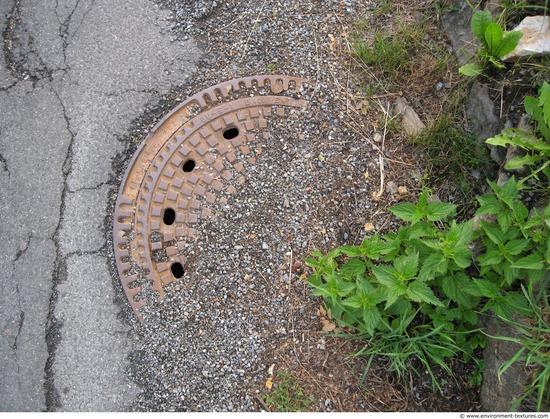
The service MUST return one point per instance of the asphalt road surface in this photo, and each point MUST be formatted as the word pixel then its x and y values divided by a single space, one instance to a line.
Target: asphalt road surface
pixel 74 74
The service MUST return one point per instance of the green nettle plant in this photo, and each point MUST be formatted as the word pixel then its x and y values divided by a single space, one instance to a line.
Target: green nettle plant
pixel 517 250
pixel 536 144
pixel 405 291
pixel 418 292
pixel 495 43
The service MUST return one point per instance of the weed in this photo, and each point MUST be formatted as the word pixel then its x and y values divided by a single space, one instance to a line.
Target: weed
pixel 450 154
pixel 404 291
pixel 477 375
pixel 536 144
pixel 387 54
pixel 288 395
pixel 495 43
pixel 271 67
pixel 515 10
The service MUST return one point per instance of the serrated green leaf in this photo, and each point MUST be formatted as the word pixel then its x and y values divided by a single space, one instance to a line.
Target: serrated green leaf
pixel 421 229
pixel 480 20
pixel 385 275
pixel 314 280
pixel 501 307
pixel 489 204
pixel 353 268
pixel 510 274
pixel 351 251
pixel 517 137
pixel 354 301
pixel 505 305
pixel 344 288
pixel 492 257
pixel 405 211
pixel 482 288
pixel 371 318
pixel 504 220
pixel 312 263
pixel 406 266
pixel 453 287
pixel 421 292
pixel 515 247
pixel 508 192
pixel 519 303
pixel 462 256
pixel 471 70
pixel 520 211
pixel 494 232
pixel 519 162
pixel 470 316
pixel 372 247
pixel 393 292
pixel 539 111
pixel 323 291
pixel 437 211
pixel 533 261
pixel 432 265
pixel 465 231
pixel 423 200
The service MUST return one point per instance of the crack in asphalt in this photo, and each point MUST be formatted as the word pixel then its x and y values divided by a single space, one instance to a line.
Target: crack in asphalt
pixel 23 69
pixel 53 327
pixel 21 253
pixel 19 329
pixel 91 188
pixel 4 163
pixel 21 320
pixel 65 25
pixel 80 253
pixel 12 23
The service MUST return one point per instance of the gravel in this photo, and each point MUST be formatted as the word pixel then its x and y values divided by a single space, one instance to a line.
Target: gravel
pixel 208 345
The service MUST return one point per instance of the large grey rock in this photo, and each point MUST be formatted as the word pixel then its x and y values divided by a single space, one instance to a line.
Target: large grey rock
pixel 483 121
pixel 457 24
pixel 499 393
pixel 535 40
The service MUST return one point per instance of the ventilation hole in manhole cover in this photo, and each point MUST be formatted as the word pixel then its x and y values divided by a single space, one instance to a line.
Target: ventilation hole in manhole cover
pixel 169 216
pixel 231 133
pixel 177 270
pixel 188 166
pixel 192 158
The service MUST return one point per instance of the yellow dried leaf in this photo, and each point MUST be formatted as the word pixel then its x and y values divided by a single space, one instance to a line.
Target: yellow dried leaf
pixel 269 383
pixel 369 227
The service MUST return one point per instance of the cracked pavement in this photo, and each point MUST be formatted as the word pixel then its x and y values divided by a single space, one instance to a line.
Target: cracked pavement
pixel 74 74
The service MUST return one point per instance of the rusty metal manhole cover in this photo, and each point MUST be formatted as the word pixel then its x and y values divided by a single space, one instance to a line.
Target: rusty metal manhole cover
pixel 199 150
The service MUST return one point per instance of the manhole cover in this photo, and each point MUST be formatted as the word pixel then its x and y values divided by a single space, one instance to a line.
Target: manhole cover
pixel 194 155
